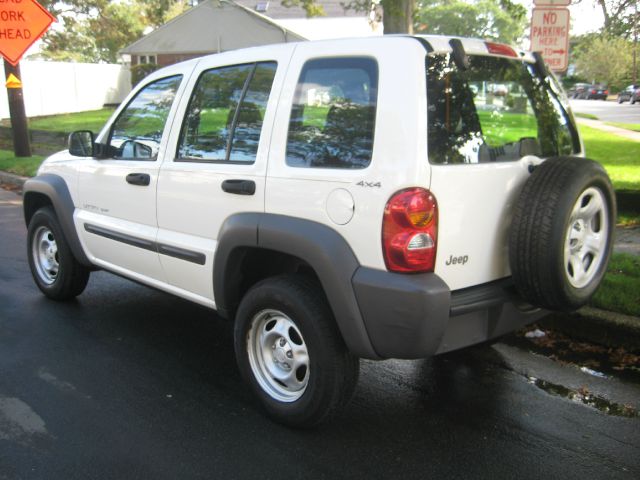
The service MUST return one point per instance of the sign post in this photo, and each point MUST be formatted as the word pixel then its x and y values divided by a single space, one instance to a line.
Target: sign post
pixel 22 22
pixel 550 35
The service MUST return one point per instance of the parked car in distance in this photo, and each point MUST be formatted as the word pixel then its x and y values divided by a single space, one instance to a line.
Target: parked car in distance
pixel 577 90
pixel 596 92
pixel 631 94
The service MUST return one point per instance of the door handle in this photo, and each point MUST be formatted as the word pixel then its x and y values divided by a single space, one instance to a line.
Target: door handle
pixel 139 179
pixel 239 187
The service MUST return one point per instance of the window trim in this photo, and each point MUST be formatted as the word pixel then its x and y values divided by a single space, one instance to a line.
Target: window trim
pixel 225 161
pixel 110 136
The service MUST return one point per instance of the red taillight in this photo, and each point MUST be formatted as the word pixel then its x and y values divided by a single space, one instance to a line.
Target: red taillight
pixel 410 231
pixel 593 91
pixel 500 49
pixel 606 92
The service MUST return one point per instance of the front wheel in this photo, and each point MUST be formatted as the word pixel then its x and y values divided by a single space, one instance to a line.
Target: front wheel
pixel 54 268
pixel 290 351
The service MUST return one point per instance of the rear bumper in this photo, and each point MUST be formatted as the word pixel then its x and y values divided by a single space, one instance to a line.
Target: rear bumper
pixel 416 316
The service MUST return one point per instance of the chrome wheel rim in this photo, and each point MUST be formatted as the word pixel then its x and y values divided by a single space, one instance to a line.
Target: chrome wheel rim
pixel 278 356
pixel 586 238
pixel 45 255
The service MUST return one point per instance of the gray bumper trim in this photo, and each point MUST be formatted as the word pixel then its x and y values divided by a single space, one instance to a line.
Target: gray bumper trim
pixel 416 316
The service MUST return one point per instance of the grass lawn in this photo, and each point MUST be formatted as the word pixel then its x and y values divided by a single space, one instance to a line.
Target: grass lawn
pixel 590 116
pixel 627 126
pixel 26 167
pixel 620 290
pixel 619 155
pixel 93 120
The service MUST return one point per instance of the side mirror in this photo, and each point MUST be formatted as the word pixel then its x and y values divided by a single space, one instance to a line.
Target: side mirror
pixel 81 143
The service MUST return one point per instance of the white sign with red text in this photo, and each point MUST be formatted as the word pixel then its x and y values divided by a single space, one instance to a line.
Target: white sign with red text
pixel 550 36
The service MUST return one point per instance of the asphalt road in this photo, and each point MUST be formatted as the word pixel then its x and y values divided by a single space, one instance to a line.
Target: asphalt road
pixel 608 111
pixel 127 382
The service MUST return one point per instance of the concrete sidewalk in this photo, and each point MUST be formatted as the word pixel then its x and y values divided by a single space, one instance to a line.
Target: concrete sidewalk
pixel 597 124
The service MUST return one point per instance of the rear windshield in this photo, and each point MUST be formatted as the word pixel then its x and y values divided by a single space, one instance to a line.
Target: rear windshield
pixel 496 110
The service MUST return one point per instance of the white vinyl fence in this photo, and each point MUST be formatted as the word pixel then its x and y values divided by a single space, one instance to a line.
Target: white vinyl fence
pixel 56 87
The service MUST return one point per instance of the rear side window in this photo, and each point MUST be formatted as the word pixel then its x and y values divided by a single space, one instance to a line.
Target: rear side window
pixel 225 114
pixel 496 110
pixel 333 114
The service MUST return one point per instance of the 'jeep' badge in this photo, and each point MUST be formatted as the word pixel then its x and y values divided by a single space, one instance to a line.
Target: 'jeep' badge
pixel 457 260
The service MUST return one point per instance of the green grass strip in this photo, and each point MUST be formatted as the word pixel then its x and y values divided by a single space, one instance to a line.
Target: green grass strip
pixel 620 289
pixel 92 120
pixel 620 156
pixel 25 166
pixel 635 127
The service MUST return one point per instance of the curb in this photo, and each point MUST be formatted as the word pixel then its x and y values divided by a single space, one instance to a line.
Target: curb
pixel 597 326
pixel 12 179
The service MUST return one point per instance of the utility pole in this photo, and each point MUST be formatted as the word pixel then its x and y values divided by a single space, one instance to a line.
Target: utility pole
pixel 19 127
pixel 635 44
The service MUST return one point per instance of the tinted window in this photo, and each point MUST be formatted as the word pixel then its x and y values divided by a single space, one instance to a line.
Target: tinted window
pixel 224 118
pixel 137 132
pixel 333 114
pixel 496 110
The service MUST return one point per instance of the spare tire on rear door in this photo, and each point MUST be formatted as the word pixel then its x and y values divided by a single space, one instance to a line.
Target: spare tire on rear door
pixel 562 233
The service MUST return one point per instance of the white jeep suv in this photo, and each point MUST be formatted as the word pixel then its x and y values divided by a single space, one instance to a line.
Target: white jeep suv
pixel 393 197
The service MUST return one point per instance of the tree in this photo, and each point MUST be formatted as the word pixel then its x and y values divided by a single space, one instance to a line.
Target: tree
pixel 604 59
pixel 96 30
pixel 620 16
pixel 499 20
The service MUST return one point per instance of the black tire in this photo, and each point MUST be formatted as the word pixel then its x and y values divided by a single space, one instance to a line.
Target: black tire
pixel 548 250
pixel 620 100
pixel 633 100
pixel 54 268
pixel 332 371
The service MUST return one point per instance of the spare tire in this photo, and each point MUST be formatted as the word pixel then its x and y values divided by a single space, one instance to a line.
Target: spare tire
pixel 562 233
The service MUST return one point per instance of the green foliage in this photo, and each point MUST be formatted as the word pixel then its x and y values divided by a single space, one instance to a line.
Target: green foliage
pixel 311 8
pixel 96 30
pixel 620 16
pixel 138 72
pixel 499 20
pixel 604 59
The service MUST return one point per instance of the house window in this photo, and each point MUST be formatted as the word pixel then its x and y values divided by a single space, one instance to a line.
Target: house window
pixel 142 59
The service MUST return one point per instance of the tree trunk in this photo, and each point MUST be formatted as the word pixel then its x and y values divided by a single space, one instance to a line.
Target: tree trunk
pixel 397 16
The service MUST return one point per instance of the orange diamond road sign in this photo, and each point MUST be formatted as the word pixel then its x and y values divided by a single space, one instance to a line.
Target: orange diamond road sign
pixel 22 22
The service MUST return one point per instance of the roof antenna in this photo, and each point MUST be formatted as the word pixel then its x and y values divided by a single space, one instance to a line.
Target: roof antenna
pixel 540 65
pixel 460 57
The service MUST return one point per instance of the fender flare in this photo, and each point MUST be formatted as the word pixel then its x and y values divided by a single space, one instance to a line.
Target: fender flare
pixel 55 189
pixel 324 249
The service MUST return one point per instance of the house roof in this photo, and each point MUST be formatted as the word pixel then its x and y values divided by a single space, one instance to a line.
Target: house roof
pixel 221 25
pixel 276 10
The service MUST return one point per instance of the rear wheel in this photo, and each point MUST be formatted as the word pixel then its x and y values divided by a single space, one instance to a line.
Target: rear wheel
pixel 561 235
pixel 291 353
pixel 54 268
